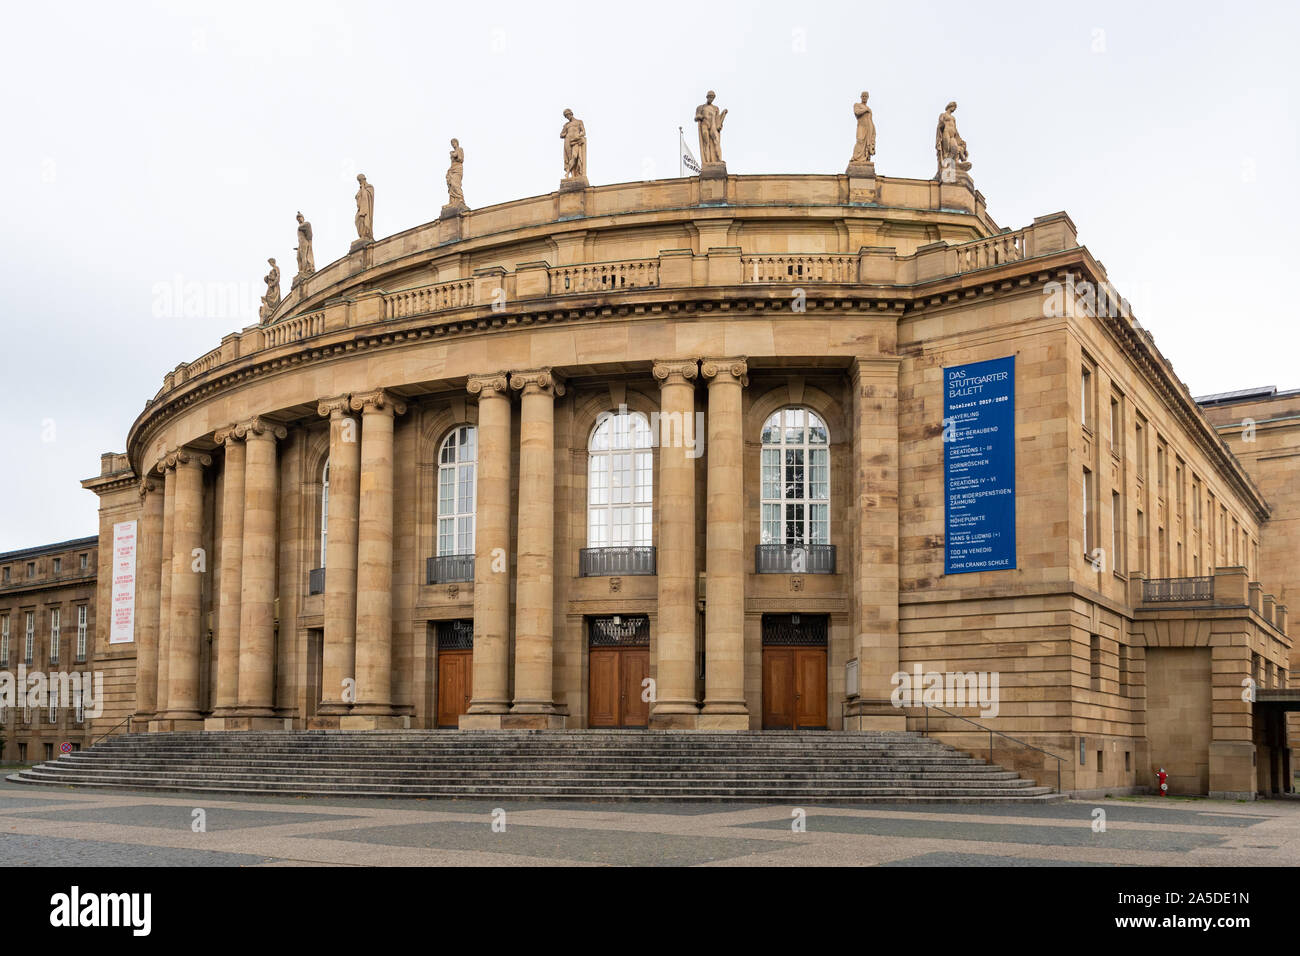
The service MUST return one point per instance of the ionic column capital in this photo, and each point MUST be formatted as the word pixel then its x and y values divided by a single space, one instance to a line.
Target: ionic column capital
pixel 184 456
pixel 258 427
pixel 537 380
pixel 335 407
pixel 675 371
pixel 228 435
pixel 487 386
pixel 146 485
pixel 377 401
pixel 720 370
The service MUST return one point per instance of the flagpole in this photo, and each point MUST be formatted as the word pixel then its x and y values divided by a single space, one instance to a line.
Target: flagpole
pixel 681 141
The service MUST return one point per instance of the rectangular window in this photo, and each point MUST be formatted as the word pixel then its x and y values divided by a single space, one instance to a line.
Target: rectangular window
pixel 54 701
pixel 82 614
pixel 31 569
pixel 4 641
pixel 1087 515
pixel 6 576
pixel 1178 487
pixel 1116 531
pixel 22 753
pixel 85 562
pixel 1116 427
pixel 1160 467
pixel 1141 449
pixel 1143 566
pixel 1085 397
pixel 49 751
pixel 58 565
pixel 29 643
pixel 55 615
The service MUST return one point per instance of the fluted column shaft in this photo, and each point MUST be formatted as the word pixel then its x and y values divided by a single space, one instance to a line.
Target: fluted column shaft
pixel 187 586
pixel 256 682
pixel 375 555
pixel 492 547
pixel 724 621
pixel 163 663
pixel 675 560
pixel 149 598
pixel 339 651
pixel 232 550
pixel 535 587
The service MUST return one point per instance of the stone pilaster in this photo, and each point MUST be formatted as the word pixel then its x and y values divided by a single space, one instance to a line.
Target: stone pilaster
pixel 148 598
pixel 256 683
pixel 339 652
pixel 374 704
pixel 534 702
pixel 491 555
pixel 186 594
pixel 232 550
pixel 724 615
pixel 874 414
pixel 167 469
pixel 675 705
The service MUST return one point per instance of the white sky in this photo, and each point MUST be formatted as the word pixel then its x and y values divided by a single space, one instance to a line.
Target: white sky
pixel 145 144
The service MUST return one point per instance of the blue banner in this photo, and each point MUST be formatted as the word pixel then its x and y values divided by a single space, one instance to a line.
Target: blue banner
pixel 979 466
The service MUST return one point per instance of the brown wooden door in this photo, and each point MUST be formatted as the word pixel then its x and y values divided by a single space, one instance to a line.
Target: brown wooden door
pixel 634 668
pixel 614 697
pixel 455 685
pixel 809 686
pixel 602 698
pixel 794 687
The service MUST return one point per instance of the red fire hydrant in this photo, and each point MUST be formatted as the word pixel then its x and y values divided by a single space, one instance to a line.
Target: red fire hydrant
pixel 1162 778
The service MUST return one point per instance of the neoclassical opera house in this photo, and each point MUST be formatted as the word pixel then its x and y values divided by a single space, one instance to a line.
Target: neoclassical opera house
pixel 671 454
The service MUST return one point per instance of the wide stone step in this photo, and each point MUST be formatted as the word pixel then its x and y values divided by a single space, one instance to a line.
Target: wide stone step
pixel 589 765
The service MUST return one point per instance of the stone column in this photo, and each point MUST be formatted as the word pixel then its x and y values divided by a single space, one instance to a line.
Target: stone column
pixel 374 704
pixel 339 651
pixel 148 598
pixel 874 507
pixel 724 611
pixel 674 705
pixel 232 549
pixel 256 683
pixel 167 469
pixel 187 587
pixel 491 555
pixel 534 704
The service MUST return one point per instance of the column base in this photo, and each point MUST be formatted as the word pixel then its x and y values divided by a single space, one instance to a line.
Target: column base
pixel 324 722
pixel 715 721
pixel 333 708
pixel 662 721
pixel 374 722
pixel 247 723
pixel 167 725
pixel 874 715
pixel 480 721
pixel 525 721
pixel 486 707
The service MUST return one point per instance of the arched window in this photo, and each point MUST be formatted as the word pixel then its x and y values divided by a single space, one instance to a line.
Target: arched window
pixel 324 508
pixel 456 479
pixel 620 482
pixel 795 479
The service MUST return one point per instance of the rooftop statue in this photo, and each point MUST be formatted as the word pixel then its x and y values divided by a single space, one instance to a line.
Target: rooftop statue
pixel 574 135
pixel 455 173
pixel 865 146
pixel 949 147
pixel 272 298
pixel 365 218
pixel 710 119
pixel 306 260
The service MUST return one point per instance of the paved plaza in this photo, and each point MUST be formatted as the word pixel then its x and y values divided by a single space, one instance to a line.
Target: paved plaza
pixel 74 827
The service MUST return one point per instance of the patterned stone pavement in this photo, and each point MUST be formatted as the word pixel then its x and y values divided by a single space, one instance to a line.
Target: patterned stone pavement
pixel 86 827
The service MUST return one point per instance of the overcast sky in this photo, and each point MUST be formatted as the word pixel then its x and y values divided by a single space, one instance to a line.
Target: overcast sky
pixel 146 145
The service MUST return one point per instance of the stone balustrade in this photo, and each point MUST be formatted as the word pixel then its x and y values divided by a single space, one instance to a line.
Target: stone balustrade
pixel 673 268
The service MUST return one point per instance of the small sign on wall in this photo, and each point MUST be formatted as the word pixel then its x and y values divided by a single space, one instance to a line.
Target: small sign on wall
pixel 979 466
pixel 122 624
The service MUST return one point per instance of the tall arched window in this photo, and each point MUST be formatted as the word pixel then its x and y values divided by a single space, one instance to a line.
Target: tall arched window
pixel 620 482
pixel 324 508
pixel 795 479
pixel 456 479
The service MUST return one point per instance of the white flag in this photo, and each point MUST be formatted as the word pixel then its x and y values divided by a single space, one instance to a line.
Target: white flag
pixel 688 159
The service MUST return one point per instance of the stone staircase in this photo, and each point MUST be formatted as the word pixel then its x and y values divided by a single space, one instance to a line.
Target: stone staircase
pixel 575 765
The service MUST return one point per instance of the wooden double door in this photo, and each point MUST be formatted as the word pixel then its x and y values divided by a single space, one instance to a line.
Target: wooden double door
pixel 618 663
pixel 794 672
pixel 455 671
